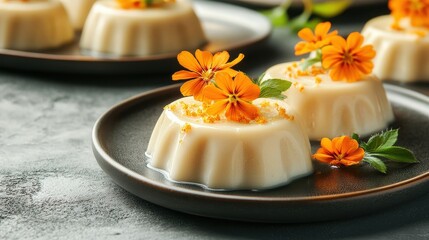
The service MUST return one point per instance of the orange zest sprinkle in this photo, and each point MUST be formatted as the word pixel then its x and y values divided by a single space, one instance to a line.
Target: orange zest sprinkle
pixel 348 59
pixel 313 41
pixel 339 151
pixel 233 96
pixel 282 112
pixel 130 4
pixel 186 128
pixel 416 10
pixel 202 69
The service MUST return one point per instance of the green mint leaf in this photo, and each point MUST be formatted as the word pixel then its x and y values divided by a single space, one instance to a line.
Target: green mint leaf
pixel 273 88
pixel 356 137
pixel 308 63
pixel 259 80
pixel 382 140
pixel 328 9
pixel 277 16
pixel 375 163
pixel 389 137
pixel 396 154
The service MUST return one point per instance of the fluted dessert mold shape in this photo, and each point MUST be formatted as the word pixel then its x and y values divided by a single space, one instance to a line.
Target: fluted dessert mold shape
pixel 333 108
pixel 78 10
pixel 149 31
pixel 227 155
pixel 401 55
pixel 34 25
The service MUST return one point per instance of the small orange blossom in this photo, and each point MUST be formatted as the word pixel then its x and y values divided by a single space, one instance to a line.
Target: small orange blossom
pixel 416 10
pixel 313 41
pixel 127 4
pixel 348 59
pixel 233 96
pixel 340 151
pixel 202 69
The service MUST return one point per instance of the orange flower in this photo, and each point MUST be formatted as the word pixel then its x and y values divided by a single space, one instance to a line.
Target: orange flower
pixel 202 69
pixel 315 41
pixel 416 10
pixel 340 151
pixel 348 60
pixel 141 3
pixel 233 97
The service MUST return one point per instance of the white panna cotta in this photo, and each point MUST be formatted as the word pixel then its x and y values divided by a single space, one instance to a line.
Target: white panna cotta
pixel 225 155
pixel 334 108
pixel 34 25
pixel 169 28
pixel 402 55
pixel 78 11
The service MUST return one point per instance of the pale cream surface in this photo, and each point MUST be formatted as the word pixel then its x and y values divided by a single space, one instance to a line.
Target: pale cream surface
pixel 335 108
pixel 168 29
pixel 34 25
pixel 401 55
pixel 228 155
pixel 78 11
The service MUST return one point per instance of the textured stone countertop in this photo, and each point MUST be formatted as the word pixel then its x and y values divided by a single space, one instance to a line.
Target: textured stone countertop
pixel 52 188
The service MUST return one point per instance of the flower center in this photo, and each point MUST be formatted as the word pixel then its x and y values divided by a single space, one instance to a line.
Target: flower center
pixel 348 58
pixel 416 5
pixel 232 98
pixel 339 157
pixel 207 75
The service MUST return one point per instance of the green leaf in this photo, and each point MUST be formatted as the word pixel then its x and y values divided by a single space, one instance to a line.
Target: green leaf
pixel 331 8
pixel 390 137
pixel 375 163
pixel 277 16
pixel 382 140
pixel 259 80
pixel 308 62
pixel 356 137
pixel 396 154
pixel 273 88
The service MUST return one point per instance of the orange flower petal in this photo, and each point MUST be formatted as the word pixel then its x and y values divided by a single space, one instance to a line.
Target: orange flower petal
pixel 233 62
pixel 249 111
pixel 193 87
pixel 188 61
pixel 245 88
pixel 218 107
pixel 205 58
pixel 322 29
pixel 231 72
pixel 211 92
pixel 224 82
pixel 306 34
pixel 184 74
pixel 326 144
pixel 355 156
pixel 354 40
pixel 220 59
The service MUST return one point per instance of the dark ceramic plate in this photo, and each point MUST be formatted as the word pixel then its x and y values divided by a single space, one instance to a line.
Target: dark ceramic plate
pixel 121 135
pixel 227 27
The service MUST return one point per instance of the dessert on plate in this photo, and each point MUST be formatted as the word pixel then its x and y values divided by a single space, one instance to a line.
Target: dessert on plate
pixel 401 40
pixel 334 91
pixel 223 136
pixel 129 27
pixel 78 11
pixel 33 25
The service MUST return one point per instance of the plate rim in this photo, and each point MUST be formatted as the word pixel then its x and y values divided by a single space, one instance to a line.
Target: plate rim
pixel 98 149
pixel 35 55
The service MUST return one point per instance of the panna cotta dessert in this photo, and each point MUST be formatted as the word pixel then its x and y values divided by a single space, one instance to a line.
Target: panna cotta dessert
pixel 34 25
pixel 114 27
pixel 332 108
pixel 220 154
pixel 401 41
pixel 78 11
pixel 334 91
